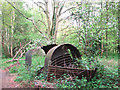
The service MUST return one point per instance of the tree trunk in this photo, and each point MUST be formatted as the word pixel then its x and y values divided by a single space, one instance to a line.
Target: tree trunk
pixel 119 27
pixel 102 34
pixel 12 27
pixel 107 30
pixel 2 32
pixel 48 18
pixel 56 26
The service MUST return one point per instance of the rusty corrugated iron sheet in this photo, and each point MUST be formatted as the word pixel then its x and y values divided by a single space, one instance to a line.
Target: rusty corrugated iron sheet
pixel 62 59
pixel 58 71
pixel 61 55
pixel 59 51
pixel 48 47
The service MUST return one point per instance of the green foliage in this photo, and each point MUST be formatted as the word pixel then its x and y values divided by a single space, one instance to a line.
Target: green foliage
pixel 104 78
pixel 24 74
pixel 86 34
pixel 91 27
pixel 67 83
pixel 5 65
pixel 16 29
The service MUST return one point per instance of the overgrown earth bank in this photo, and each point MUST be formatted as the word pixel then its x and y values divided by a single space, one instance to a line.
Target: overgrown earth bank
pixel 19 77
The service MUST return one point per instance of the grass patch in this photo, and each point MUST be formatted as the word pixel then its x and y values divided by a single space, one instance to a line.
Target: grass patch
pixel 4 65
pixel 110 62
pixel 22 73
pixel 110 56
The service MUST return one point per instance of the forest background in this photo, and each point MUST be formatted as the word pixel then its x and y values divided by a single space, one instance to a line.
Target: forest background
pixel 92 26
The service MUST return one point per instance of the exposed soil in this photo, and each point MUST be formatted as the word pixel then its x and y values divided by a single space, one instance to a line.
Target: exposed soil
pixel 7 80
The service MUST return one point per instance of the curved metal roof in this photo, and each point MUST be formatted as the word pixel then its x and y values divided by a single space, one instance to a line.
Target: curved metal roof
pixel 55 51
pixel 72 48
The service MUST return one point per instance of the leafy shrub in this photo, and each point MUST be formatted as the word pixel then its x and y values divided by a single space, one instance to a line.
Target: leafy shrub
pixel 104 78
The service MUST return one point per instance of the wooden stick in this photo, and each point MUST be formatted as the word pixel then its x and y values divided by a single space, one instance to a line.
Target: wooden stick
pixel 20 50
pixel 17 54
pixel 13 60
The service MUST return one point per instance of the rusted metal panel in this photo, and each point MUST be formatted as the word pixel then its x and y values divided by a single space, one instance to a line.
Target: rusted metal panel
pixel 28 58
pixel 61 60
pixel 48 47
pixel 39 51
pixel 64 47
pixel 48 60
pixel 59 51
pixel 60 56
pixel 64 60
pixel 59 71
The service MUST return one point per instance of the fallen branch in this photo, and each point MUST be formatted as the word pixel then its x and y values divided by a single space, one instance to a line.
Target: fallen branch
pixel 13 60
pixel 18 57
pixel 17 54
pixel 12 65
pixel 20 50
pixel 21 54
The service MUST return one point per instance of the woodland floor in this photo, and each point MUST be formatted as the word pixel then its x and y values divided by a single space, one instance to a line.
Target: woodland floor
pixel 7 79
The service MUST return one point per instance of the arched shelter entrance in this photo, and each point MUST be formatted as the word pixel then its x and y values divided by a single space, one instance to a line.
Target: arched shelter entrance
pixel 62 55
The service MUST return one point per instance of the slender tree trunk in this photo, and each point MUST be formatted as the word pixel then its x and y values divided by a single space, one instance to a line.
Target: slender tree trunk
pixel 102 34
pixel 5 38
pixel 56 26
pixel 119 27
pixel 48 18
pixel 7 43
pixel 3 31
pixel 1 41
pixel 107 30
pixel 12 27
pixel 102 47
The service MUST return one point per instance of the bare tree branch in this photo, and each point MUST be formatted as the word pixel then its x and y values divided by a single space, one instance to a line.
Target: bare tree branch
pixel 18 11
pixel 61 9
pixel 28 19
pixel 65 28
pixel 39 6
pixel 67 10
pixel 20 50
pixel 45 11
pixel 39 30
pixel 42 22
pixel 41 3
pixel 64 19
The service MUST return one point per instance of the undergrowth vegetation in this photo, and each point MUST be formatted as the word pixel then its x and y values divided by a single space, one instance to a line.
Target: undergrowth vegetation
pixel 106 76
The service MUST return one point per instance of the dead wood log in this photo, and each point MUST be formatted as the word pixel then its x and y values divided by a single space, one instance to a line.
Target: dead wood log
pixel 16 59
pixel 21 49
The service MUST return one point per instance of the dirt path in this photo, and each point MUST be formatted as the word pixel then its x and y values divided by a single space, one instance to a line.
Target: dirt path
pixel 7 80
